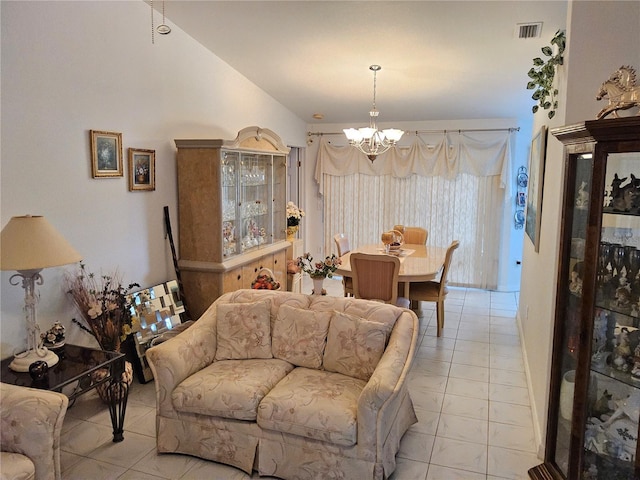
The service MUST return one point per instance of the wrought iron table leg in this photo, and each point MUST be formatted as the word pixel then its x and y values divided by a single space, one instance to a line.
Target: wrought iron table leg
pixel 118 396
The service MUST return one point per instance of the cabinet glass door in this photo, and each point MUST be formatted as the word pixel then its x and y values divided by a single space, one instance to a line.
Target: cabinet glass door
pixel 613 404
pixel 567 351
pixel 255 200
pixel 230 231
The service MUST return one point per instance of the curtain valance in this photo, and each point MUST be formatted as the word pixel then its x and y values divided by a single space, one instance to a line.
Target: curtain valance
pixel 447 156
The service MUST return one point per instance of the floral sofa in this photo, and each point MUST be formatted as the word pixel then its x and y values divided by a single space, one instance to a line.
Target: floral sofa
pixel 31 422
pixel 289 385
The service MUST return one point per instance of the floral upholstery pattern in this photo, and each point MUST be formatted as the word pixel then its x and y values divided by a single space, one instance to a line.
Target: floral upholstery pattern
pixel 354 346
pixel 313 438
pixel 244 331
pixel 299 336
pixel 30 425
pixel 314 404
pixel 230 388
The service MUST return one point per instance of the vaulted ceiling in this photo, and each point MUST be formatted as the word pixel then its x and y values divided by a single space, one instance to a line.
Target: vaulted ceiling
pixel 441 60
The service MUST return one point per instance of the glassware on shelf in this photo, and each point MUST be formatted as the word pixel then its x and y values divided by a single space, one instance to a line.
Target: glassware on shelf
pixel 228 175
pixel 228 210
pixel 253 209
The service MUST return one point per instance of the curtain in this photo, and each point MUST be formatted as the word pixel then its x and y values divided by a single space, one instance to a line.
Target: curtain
pixel 454 187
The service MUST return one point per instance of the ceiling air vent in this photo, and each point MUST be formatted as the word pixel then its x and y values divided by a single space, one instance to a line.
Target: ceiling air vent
pixel 529 30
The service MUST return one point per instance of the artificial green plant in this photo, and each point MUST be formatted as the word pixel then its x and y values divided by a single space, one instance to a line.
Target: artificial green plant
pixel 543 73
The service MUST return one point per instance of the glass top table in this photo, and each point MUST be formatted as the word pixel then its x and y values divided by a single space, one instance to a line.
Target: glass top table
pixel 75 374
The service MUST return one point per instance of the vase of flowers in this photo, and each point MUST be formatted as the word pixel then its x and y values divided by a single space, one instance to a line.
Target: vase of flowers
pixel 318 271
pixel 103 302
pixel 294 215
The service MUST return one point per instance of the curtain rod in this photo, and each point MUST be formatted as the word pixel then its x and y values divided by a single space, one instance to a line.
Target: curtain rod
pixel 417 132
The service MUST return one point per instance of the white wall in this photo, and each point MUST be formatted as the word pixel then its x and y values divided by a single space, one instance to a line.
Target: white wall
pixel 601 36
pixel 68 67
pixel 511 241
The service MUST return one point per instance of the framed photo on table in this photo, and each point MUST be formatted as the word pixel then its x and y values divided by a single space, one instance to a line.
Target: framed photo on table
pixel 142 169
pixel 536 180
pixel 106 154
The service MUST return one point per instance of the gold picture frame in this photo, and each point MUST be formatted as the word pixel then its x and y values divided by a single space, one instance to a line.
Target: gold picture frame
pixel 142 169
pixel 106 154
pixel 536 181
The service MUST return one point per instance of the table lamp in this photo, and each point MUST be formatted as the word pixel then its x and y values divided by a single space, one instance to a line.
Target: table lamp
pixel 28 244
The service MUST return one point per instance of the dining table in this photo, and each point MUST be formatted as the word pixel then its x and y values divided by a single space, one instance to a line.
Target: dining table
pixel 418 263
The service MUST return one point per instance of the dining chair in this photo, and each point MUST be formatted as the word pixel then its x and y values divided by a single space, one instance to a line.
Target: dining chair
pixel 375 277
pixel 342 244
pixel 435 291
pixel 415 235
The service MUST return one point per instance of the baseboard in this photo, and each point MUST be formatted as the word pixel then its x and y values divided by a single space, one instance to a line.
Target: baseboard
pixel 537 430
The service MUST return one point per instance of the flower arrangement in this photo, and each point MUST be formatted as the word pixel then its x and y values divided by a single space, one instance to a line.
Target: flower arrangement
pixel 318 269
pixel 104 304
pixel 53 336
pixel 294 215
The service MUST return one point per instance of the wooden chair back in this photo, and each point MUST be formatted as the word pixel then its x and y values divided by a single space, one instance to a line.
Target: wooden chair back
pixel 435 291
pixel 445 270
pixel 342 243
pixel 415 235
pixel 375 277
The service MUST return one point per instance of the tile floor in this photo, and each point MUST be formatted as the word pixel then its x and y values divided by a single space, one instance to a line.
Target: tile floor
pixel 468 388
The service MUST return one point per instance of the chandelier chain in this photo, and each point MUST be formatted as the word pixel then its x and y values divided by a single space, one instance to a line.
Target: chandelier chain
pixel 374 89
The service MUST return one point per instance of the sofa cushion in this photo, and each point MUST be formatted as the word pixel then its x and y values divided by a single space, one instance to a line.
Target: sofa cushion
pixel 314 404
pixel 354 345
pixel 243 330
pixel 299 336
pixel 229 388
pixel 16 466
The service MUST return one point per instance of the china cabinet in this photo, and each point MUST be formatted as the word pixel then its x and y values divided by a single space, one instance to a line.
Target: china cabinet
pixel 232 213
pixel 594 399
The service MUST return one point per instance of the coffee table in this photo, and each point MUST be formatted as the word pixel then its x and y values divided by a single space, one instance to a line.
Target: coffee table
pixel 73 376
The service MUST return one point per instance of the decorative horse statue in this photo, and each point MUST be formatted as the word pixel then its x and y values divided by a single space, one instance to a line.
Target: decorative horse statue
pixel 622 91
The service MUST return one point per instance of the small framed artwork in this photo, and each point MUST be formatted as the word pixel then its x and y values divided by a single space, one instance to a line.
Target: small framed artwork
pixel 106 154
pixel 142 169
pixel 536 179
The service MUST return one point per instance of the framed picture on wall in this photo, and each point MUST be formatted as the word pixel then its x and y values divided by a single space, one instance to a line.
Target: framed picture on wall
pixel 142 169
pixel 106 154
pixel 536 180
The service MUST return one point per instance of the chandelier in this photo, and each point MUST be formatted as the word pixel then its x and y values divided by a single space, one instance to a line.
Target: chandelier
pixel 369 140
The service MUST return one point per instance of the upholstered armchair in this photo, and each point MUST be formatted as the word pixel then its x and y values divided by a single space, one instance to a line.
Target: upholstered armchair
pixel 31 422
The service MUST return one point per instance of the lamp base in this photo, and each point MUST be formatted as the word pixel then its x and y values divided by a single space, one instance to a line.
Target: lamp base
pixel 22 361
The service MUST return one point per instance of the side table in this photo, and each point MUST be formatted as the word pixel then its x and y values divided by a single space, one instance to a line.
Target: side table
pixel 74 371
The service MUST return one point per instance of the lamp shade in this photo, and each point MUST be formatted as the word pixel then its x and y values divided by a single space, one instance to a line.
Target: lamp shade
pixel 393 134
pixel 31 243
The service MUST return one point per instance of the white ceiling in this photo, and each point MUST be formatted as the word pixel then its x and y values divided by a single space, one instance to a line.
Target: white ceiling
pixel 441 60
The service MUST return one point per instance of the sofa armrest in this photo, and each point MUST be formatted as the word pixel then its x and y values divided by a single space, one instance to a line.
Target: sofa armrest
pixel 179 357
pixel 31 425
pixel 379 400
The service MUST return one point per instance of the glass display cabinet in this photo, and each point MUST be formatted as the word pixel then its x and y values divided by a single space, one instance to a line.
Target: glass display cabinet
pixel 232 213
pixel 252 215
pixel 594 402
